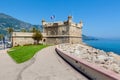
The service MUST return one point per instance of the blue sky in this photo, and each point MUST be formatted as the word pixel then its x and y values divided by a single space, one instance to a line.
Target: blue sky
pixel 101 18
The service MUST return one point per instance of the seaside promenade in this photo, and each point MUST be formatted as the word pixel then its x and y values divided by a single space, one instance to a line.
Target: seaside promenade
pixel 45 65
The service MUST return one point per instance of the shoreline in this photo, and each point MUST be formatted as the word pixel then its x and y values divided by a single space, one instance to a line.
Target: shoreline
pixel 107 45
pixel 116 55
pixel 107 60
pixel 112 52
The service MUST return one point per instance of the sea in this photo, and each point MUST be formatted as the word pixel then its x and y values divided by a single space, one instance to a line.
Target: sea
pixel 107 45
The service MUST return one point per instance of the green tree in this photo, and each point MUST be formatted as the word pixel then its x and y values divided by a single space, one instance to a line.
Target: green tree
pixel 33 29
pixel 37 36
pixel 23 30
pixel 1 36
pixel 10 30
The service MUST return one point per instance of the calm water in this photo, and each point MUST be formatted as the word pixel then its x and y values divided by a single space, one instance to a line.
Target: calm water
pixel 106 45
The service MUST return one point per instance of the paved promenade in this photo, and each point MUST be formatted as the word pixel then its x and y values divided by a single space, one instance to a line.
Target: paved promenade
pixel 9 70
pixel 46 65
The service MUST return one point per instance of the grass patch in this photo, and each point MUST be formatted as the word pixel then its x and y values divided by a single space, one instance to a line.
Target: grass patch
pixel 23 53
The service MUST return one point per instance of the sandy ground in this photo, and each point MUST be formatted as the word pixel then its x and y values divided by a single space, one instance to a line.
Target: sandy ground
pixel 45 65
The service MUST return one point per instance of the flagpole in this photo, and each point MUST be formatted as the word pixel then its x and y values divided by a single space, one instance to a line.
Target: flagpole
pixel 52 18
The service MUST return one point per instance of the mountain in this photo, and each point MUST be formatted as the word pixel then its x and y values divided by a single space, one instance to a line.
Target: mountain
pixel 84 37
pixel 8 21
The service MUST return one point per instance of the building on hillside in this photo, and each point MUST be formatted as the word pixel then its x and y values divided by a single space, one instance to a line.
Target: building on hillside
pixel 22 38
pixel 62 32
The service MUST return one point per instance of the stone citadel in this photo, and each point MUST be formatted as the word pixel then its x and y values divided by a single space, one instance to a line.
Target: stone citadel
pixel 53 33
pixel 62 32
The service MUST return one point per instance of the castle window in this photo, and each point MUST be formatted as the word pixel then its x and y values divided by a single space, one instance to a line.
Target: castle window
pixel 52 33
pixel 44 40
pixel 63 32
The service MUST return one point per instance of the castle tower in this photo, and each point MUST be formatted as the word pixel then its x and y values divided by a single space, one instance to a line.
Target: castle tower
pixel 69 20
pixel 62 32
pixel 81 24
pixel 43 23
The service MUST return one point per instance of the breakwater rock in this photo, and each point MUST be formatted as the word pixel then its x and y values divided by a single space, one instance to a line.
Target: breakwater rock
pixel 107 60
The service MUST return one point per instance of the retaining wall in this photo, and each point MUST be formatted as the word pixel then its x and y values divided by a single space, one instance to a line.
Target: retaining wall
pixel 91 70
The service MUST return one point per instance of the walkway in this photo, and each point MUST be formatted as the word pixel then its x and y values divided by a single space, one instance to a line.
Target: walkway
pixel 46 65
pixel 9 70
pixel 49 66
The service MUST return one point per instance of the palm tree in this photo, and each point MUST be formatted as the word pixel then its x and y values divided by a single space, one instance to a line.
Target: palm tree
pixel 37 36
pixel 1 36
pixel 10 30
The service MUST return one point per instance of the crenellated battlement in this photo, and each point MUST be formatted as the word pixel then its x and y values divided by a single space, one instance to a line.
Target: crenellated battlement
pixel 60 23
pixel 51 24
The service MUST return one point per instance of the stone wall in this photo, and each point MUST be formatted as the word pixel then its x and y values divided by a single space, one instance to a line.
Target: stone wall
pixel 51 31
pixel 75 34
pixel 75 40
pixel 93 71
pixel 22 38
pixel 63 30
pixel 75 31
pixel 57 40
pixel 22 41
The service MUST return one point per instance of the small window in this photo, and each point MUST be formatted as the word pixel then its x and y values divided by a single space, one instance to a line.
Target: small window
pixel 52 33
pixel 63 32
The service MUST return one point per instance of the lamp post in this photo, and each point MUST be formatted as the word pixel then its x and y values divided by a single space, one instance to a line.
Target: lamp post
pixel 4 41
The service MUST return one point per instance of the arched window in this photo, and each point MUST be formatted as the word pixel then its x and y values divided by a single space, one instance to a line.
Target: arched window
pixel 44 40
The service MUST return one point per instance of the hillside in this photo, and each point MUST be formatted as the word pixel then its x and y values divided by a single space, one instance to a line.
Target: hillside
pixel 84 37
pixel 8 21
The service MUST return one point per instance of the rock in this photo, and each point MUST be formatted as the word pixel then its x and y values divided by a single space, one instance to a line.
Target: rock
pixel 101 57
pixel 96 52
pixel 108 60
pixel 77 52
pixel 116 68
pixel 110 54
pixel 105 66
